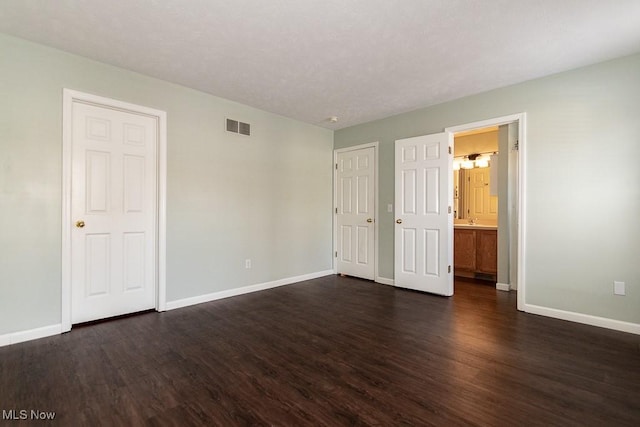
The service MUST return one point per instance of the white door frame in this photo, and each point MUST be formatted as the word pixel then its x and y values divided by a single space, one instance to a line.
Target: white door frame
pixel 373 145
pixel 520 118
pixel 69 97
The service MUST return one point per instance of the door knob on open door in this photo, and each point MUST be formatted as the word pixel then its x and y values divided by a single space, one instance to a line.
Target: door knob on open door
pixel 369 220
pixel 398 221
pixel 80 224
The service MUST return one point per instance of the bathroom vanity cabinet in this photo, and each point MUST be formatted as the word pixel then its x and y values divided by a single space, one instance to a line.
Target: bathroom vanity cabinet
pixel 475 251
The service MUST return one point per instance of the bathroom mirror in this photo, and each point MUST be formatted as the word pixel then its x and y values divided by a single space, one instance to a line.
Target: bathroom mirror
pixel 474 195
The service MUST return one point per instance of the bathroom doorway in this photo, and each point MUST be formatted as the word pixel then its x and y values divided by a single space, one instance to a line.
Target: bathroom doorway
pixel 476 166
pixel 504 196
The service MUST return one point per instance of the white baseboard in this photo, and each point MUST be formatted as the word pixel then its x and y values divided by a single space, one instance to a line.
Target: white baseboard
pixel 503 287
pixel 385 281
pixel 47 331
pixel 31 334
pixel 185 302
pixel 603 322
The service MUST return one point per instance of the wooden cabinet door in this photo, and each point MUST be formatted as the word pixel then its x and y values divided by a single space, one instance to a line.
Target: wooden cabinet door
pixel 464 248
pixel 487 251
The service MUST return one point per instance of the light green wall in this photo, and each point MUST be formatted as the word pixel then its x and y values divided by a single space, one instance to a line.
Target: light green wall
pixel 583 196
pixel 267 197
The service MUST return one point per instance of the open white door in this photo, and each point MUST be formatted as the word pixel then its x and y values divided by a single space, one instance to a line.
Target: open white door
pixel 424 222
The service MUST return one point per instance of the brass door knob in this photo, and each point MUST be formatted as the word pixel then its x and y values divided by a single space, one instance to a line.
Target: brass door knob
pixel 80 224
pixel 398 221
pixel 369 220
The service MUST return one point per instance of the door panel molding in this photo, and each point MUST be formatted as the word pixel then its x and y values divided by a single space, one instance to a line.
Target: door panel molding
pixel 336 228
pixel 69 98
pixel 423 247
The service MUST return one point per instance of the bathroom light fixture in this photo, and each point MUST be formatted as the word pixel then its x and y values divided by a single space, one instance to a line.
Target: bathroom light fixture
pixel 482 162
pixel 471 161
pixel 466 163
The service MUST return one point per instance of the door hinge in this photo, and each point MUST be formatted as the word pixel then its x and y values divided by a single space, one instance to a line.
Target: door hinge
pixel 336 254
pixel 449 209
pixel 336 166
pixel 336 210
pixel 449 269
pixel 449 149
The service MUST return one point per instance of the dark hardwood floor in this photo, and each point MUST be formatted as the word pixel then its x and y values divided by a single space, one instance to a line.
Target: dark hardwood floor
pixel 331 351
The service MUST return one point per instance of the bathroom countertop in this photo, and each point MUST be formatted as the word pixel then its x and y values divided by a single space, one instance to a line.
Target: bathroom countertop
pixel 475 226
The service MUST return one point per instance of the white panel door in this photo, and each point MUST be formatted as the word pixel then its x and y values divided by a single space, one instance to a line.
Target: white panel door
pixel 355 180
pixel 424 222
pixel 113 206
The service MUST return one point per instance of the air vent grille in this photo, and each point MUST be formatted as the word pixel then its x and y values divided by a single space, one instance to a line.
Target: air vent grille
pixel 245 129
pixel 232 126
pixel 238 127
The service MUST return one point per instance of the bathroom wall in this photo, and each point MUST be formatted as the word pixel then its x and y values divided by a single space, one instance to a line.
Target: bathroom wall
pixel 476 143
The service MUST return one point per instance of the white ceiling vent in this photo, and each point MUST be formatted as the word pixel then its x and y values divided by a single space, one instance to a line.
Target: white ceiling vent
pixel 238 127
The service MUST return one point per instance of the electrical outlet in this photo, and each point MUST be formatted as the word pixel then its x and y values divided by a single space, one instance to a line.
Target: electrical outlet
pixel 619 288
pixel 247 263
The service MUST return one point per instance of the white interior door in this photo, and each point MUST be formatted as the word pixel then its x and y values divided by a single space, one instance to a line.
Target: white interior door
pixel 424 222
pixel 355 178
pixel 113 207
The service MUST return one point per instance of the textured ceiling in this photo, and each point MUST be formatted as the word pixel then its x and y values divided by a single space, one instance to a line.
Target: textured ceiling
pixel 359 60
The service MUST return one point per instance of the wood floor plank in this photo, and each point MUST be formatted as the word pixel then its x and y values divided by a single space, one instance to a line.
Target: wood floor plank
pixel 332 351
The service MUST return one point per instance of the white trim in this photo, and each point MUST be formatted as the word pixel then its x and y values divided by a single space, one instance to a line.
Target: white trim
pixel 385 281
pixel 47 331
pixel 30 334
pixel 522 212
pixel 185 302
pixel 68 98
pixel 376 228
pixel 376 207
pixel 503 287
pixel 161 295
pixel 65 302
pixel 497 121
pixel 521 118
pixel 602 322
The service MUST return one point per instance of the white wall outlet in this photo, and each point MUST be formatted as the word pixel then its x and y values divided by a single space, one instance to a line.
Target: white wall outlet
pixel 389 208
pixel 247 263
pixel 619 288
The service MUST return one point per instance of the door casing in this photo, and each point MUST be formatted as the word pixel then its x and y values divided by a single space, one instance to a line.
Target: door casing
pixel 521 119
pixel 69 97
pixel 373 145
